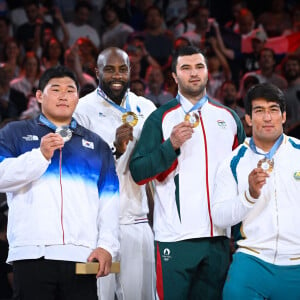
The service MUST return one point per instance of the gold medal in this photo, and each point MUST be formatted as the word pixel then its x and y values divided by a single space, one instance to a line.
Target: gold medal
pixel 266 164
pixel 193 118
pixel 65 132
pixel 130 118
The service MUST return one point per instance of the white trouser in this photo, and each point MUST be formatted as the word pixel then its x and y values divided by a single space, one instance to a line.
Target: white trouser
pixel 136 280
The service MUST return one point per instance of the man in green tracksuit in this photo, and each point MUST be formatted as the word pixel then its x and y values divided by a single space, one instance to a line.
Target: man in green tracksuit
pixel 180 148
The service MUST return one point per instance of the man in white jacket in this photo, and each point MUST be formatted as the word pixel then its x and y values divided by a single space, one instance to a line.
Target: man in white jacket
pixel 118 115
pixel 63 196
pixel 257 188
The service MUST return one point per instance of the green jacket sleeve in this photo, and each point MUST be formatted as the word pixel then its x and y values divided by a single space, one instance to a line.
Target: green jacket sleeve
pixel 153 157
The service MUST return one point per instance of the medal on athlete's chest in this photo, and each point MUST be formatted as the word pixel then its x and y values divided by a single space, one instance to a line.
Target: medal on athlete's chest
pixel 65 132
pixel 266 164
pixel 192 118
pixel 192 114
pixel 130 118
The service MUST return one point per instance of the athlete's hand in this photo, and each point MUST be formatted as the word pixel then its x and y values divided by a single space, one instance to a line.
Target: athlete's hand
pixel 105 260
pixel 181 133
pixel 49 143
pixel 124 134
pixel 257 179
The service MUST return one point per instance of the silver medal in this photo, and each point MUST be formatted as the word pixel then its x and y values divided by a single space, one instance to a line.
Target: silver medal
pixel 65 132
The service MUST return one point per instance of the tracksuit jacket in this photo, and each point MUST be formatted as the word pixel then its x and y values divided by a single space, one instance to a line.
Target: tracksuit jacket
pixel 269 227
pixel 60 209
pixel 184 178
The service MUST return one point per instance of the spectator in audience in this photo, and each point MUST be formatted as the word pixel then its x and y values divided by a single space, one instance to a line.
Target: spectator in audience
pixel 28 80
pixel 124 9
pixel 139 57
pixel 229 97
pixel 188 23
pixel 266 71
pixel 246 27
pixel 138 14
pixel 155 87
pixel 158 40
pixel 249 81
pixel 3 8
pixel 204 29
pixel 59 25
pixel 138 87
pixel 17 13
pixel 173 12
pixel 67 8
pixel 29 33
pixel 53 54
pixel 295 16
pixel 12 101
pixel 250 60
pixel 87 52
pixel 276 20
pixel 290 68
pixel 72 61
pixel 79 26
pixel 181 42
pixel 246 22
pixel 115 32
pixel 218 69
pixel 4 34
pixel 135 69
pixel 12 56
pixel 236 6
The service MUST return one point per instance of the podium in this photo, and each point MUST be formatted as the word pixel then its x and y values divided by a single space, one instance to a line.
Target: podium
pixel 93 267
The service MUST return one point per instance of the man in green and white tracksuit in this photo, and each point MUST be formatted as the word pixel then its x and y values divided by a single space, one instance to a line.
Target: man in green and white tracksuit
pixel 180 148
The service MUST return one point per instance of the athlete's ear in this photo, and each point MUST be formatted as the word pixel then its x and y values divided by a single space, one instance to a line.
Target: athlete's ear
pixel 39 96
pixel 248 120
pixel 283 117
pixel 175 77
pixel 97 73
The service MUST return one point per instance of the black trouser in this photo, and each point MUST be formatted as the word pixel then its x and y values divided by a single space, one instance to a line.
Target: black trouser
pixel 42 279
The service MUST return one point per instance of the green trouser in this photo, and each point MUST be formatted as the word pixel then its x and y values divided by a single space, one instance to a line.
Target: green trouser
pixel 192 269
pixel 250 278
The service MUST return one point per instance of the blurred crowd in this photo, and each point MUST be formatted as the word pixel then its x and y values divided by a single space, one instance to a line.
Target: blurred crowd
pixel 245 43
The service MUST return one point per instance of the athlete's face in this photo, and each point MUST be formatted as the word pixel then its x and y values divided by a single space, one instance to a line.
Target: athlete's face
pixel 58 99
pixel 191 75
pixel 267 122
pixel 113 75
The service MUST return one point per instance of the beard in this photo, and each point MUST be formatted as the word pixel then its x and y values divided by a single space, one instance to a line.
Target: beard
pixel 116 96
pixel 193 92
pixel 290 76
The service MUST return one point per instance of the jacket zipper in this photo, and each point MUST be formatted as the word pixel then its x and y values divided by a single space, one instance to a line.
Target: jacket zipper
pixel 206 175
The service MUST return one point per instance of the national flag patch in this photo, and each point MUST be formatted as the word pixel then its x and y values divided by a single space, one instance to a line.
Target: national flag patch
pixel 222 123
pixel 87 144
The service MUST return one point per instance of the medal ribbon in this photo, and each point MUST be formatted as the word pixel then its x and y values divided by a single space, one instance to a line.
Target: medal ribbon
pixel 273 150
pixel 118 107
pixel 49 124
pixel 196 106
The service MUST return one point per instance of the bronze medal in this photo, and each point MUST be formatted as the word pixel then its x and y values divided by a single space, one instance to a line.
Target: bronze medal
pixel 130 118
pixel 192 118
pixel 266 164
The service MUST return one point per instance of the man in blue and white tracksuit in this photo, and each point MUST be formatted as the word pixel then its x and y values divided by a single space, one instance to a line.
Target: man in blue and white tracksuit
pixel 63 196
pixel 257 189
